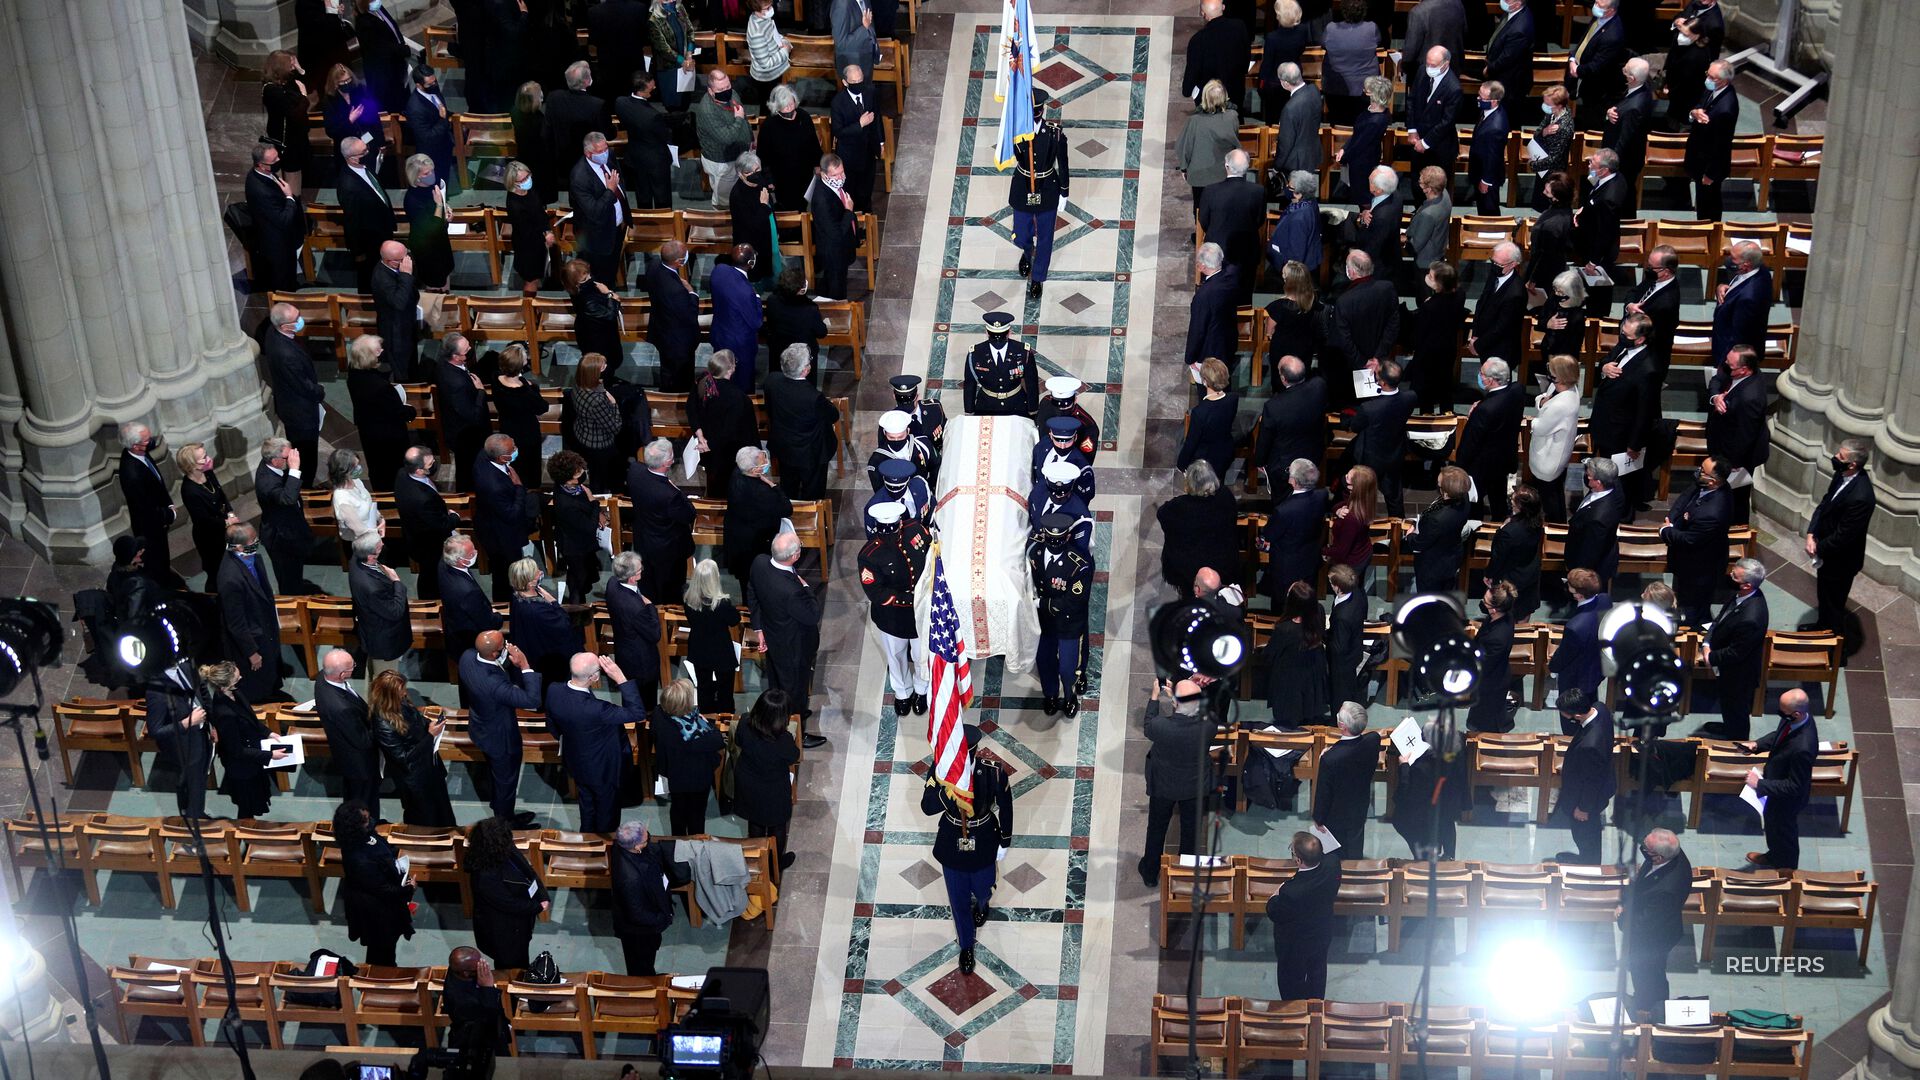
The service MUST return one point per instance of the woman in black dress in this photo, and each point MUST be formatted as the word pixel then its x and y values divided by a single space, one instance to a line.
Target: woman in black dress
pixel 378 412
pixel 541 627
pixel 1361 153
pixel 207 506
pixel 507 894
pixel 723 421
pixel 372 888
pixel 1550 243
pixel 384 54
pixel 596 314
pixel 518 406
pixel 1515 557
pixel 762 780
pixel 711 618
pixel 532 238
pixel 322 35
pixel 530 141
pixel 1561 316
pixel 579 518
pixel 348 107
pixel 792 317
pixel 1295 323
pixel 1200 529
pixel 1438 548
pixel 687 750
pixel 283 93
pixel 1297 661
pixel 407 742
pixel 789 144
pixel 1433 337
pixel 237 731
pixel 425 207
pixel 1210 422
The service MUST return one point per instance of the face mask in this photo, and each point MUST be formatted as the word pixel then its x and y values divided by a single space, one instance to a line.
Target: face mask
pixel 426 180
pixel 250 550
pixel 524 185
pixel 1788 718
pixel 1646 852
pixel 1592 177
pixel 1699 478
pixel 1546 108
pixel 1434 72
pixel 1485 610
pixel 1599 12
pixel 1485 105
pixel 357 472
pixel 513 457
pixel 1839 466
pixel 375 6
pixel 1712 86
pixel 602 157
pixel 723 96
pixel 1682 38
pixel 299 324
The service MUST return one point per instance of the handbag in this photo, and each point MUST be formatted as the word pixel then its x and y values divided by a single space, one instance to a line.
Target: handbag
pixel 1761 1020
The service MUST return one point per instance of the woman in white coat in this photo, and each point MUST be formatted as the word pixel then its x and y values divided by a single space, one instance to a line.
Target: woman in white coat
pixel 1553 429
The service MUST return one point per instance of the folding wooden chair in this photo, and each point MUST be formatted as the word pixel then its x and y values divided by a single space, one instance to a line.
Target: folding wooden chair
pixel 293 998
pixel 150 987
pixel 267 849
pixel 560 1010
pixel 1180 886
pixel 1761 899
pixel 130 845
pixel 1831 901
pixel 394 997
pixel 1801 656
pixel 625 1005
pixel 1270 1030
pixel 1211 1024
pixel 93 724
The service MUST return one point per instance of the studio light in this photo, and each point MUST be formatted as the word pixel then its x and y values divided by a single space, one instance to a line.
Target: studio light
pixel 149 644
pixel 1526 981
pixel 1195 638
pixel 1444 663
pixel 1637 648
pixel 30 637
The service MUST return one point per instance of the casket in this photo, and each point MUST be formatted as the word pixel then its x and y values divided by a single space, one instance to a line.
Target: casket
pixel 980 510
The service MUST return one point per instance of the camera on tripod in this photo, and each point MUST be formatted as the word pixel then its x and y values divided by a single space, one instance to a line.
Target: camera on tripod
pixel 719 1037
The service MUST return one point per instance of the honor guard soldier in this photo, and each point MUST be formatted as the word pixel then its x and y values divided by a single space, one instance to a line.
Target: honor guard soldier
pixel 890 566
pixel 1060 443
pixel 898 442
pixel 1039 183
pixel 967 847
pixel 1060 402
pixel 1063 579
pixel 1056 494
pixel 1000 379
pixel 925 418
pixel 901 483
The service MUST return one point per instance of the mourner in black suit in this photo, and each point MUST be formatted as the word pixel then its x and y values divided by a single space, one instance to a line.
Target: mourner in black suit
pixel 1837 537
pixel 1594 66
pixel 1293 532
pixel 150 508
pixel 755 507
pixel 495 681
pixel 430 130
pixel 298 396
pixel 1500 315
pixel 1699 32
pixel 1587 778
pixel 1220 49
pixel 507 899
pixel 372 888
pixel 1651 919
pixel 1786 783
pixel 593 737
pixel 1490 440
pixel 1177 730
pixel 424 518
pixel 1596 235
pixel 1510 59
pixel 383 53
pixel 1433 104
pixel 1213 318
pixel 366 210
pixel 1741 306
pixel 636 626
pixel 1626 404
pixel 1379 426
pixel 786 621
pixel 1232 213
pixel 247 616
pixel 573 112
pixel 1737 424
pixel 1658 298
pixel 1344 793
pixel 1346 636
pixel 599 210
pixel 1735 649
pixel 284 531
pixel 279 224
pixel 616 30
pixel 647 168
pixel 379 606
pixel 1302 916
pixel 1293 422
pixel 1709 157
pixel 1365 326
pixel 857 133
pixel 1628 124
pixel 349 726
pixel 1495 641
pixel 176 720
pixel 1696 534
pixel 662 522
pixel 800 426
pixel 1377 231
pixel 1487 151
pixel 396 307
pixel 836 224
pixel 460 401
pixel 1593 529
pixel 465 611
pixel 673 317
pixel 505 512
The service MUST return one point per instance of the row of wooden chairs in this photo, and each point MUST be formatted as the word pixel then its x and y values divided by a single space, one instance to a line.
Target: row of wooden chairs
pixel 273 994
pixel 1487 893
pixel 1234 1034
pixel 306 851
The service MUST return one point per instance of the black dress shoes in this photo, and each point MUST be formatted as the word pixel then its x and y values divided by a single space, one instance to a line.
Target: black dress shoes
pixel 1033 290
pixel 1050 705
pixel 1070 707
pixel 813 742
pixel 980 916
pixel 966 961
pixel 1026 262
pixel 919 704
pixel 901 704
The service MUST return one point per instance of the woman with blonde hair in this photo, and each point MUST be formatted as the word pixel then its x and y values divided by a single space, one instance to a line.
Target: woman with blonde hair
pixel 1209 134
pixel 1554 427
pixel 527 217
pixel 711 651
pixel 284 95
pixel 354 511
pixel 1294 328
pixel 1439 548
pixel 237 736
pixel 378 411
pixel 541 627
pixel 1350 540
pixel 407 742
pixel 1554 137
pixel 425 207
pixel 207 506
pixel 529 115
pixel 1284 43
pixel 1210 422
pixel 688 749
pixel 1362 151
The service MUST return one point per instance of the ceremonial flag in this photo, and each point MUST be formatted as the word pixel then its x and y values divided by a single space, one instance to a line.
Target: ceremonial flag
pixel 952 679
pixel 1015 88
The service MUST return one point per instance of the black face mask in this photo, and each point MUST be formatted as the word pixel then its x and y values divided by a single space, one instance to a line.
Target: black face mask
pixel 1056 542
pixel 1646 852
pixel 1059 492
pixel 1485 609
pixel 1789 718
pixel 723 96
pixel 1839 465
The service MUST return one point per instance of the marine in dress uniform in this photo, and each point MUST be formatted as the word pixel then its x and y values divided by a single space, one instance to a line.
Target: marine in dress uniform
pixel 1000 377
pixel 1060 402
pixel 1060 444
pixel 890 566
pixel 1056 494
pixel 901 483
pixel 925 417
pixel 967 847
pixel 898 441
pixel 1040 179
pixel 1063 578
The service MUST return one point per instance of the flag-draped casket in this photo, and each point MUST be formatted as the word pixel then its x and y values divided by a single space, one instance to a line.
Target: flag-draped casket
pixel 980 508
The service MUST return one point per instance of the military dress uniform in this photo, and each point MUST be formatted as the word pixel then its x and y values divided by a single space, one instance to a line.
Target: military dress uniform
pixel 1040 178
pixel 968 844
pixel 897 441
pixel 1000 376
pixel 890 566
pixel 1055 494
pixel 1060 402
pixel 1058 445
pixel 1063 578
pixel 926 418
pixel 900 483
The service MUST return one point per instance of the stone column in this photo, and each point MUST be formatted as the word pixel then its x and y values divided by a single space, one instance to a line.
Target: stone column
pixel 241 32
pixel 113 279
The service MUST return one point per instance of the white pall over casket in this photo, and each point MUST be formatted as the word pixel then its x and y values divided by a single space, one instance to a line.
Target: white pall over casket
pixel 980 508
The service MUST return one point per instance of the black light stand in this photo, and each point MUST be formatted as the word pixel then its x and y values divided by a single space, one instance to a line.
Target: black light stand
pixel 1449 749
pixel 1203 891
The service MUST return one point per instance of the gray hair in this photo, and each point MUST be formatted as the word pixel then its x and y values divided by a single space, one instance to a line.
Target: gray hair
pixel 1383 179
pixel 273 447
pixel 721 362
pixel 747 162
pixel 1237 162
pixel 1211 257
pixel 703 590
pixel 1748 254
pixel 1571 283
pixel 1352 717
pixel 1201 479
pixel 1496 371
pixel 283 314
pixel 1855 451
pixel 781 97
pixel 455 547
pixel 1379 90
pixel 1750 571
pixel 1289 74
pixel 658 454
pixel 132 435
pixel 795 359
pixel 1304 183
pixel 1603 470
pixel 785 547
pixel 592 139
pixel 749 458
pixel 497 446
pixel 1303 474
pixel 366 544
pixel 579 73
pixel 626 565
pixel 351 145
pixel 336 661
pixel 450 343
pixel 1359 264
pixel 1663 843
pixel 1607 159
pixel 630 834
pixel 1507 249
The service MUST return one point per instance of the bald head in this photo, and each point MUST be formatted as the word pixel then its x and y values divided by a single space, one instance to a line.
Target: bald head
pixel 337 665
pixel 1438 56
pixel 464 962
pixel 392 251
pixel 490 644
pixel 583 667
pixel 1206 582
pixel 1796 704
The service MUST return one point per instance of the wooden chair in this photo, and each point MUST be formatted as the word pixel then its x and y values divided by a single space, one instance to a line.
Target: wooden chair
pixel 1271 1030
pixel 1366 888
pixel 1835 773
pixel 1180 885
pixel 846 326
pixel 1720 769
pixel 1749 1052
pixel 625 1005
pixel 1831 901
pixel 1589 894
pixel 572 860
pixel 813 524
pixel 178 857
pixel 1744 899
pixel 33 844
pixel 1255 881
pixel 390 997
pixel 1801 656
pixel 283 1008
pixel 267 849
pixel 1452 888
pixel 1360 1033
pixel 561 1010
pixel 1513 759
pixel 121 844
pixel 157 988
pixel 1212 1023
pixel 482 135
pixel 1669 1052
pixel 434 856
pixel 1502 892
pixel 94 724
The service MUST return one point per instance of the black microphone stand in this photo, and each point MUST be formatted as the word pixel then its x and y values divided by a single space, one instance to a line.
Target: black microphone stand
pixel 14 716
pixel 1450 747
pixel 1643 722
pixel 1203 891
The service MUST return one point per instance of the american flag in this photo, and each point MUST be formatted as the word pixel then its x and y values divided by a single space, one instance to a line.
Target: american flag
pixel 952 679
